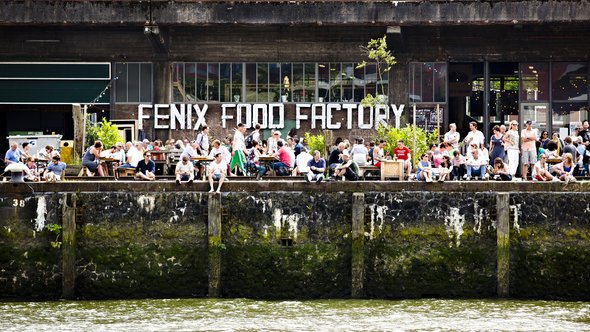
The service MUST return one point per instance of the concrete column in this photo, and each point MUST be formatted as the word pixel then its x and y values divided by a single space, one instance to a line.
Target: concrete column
pixel 79 126
pixel 214 231
pixel 68 246
pixel 358 245
pixel 503 238
pixel 162 89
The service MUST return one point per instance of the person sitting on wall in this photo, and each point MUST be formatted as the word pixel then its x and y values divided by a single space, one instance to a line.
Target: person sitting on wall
pixel 476 165
pixel 225 154
pixel 501 171
pixel 445 168
pixel 55 170
pixel 317 167
pixel 31 173
pixel 185 171
pixel 217 171
pixel 458 162
pixel 348 168
pixel 541 170
pixel 565 169
pixel 146 168
pixel 13 154
pixel 91 158
pixel 424 171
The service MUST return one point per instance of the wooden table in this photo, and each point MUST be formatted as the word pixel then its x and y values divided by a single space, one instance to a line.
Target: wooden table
pixel 267 161
pixel 392 169
pixel 109 162
pixel 203 160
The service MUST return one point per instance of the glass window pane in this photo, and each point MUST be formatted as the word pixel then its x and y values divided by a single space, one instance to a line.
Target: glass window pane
pixel 201 81
pixel 250 82
pixel 535 81
pixel 570 81
pixel 538 113
pixel 415 82
pixel 568 115
pixel 236 82
pixel 359 84
pixel 335 82
pixel 310 83
pixel 225 82
pixel 275 81
pixel 427 82
pixel 190 76
pixel 286 95
pixel 347 80
pixel 146 83
pixel 263 82
pixel 133 82
pixel 178 83
pixel 440 82
pixel 121 82
pixel 213 81
pixel 297 83
pixel 323 82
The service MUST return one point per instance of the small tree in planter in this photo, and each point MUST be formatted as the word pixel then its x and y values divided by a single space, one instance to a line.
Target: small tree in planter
pixel 377 51
pixel 408 133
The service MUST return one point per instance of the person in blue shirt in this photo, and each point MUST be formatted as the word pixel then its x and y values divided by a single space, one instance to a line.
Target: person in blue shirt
pixel 146 168
pixel 317 167
pixel 13 154
pixel 55 170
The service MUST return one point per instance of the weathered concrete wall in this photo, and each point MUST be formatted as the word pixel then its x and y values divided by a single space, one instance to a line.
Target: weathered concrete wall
pixel 293 240
pixel 292 12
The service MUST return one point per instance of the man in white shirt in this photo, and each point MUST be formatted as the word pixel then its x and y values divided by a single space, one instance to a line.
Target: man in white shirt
pixel 217 171
pixel 190 151
pixel 474 137
pixel 301 162
pixel 476 165
pixel 452 136
pixel 185 171
pixel 218 148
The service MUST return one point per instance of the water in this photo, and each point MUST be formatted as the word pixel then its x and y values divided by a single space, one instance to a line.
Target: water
pixel 317 315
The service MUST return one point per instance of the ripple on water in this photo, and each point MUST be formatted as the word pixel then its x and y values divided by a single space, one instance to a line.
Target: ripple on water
pixel 316 315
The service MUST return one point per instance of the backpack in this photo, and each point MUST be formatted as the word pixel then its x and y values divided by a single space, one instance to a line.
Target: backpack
pixel 248 141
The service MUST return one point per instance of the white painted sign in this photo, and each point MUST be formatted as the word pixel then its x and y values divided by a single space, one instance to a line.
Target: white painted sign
pixel 271 115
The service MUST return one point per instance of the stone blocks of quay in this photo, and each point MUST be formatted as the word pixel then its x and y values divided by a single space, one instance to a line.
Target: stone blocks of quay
pixel 278 239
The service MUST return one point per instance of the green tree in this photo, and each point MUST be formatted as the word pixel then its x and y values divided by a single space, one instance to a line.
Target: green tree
pixel 316 142
pixel 104 131
pixel 376 50
pixel 408 134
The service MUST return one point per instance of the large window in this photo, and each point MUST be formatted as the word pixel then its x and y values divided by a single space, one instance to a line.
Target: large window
pixel 428 82
pixel 570 95
pixel 134 82
pixel 276 82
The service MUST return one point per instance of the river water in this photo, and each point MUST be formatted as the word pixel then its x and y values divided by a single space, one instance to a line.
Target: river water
pixel 315 315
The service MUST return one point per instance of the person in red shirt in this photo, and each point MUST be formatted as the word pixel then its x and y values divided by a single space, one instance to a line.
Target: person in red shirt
pixel 401 152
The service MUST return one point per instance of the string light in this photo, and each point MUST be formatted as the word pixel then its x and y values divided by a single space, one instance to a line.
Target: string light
pixel 103 92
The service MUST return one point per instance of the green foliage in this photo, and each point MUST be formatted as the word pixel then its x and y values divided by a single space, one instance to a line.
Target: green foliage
pixel 105 131
pixel 56 230
pixel 391 135
pixel 377 51
pixel 315 142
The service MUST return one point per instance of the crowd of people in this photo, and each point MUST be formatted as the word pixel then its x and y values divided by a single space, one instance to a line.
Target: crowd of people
pixel 539 157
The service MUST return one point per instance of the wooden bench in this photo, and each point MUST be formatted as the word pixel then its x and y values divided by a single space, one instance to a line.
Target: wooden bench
pixel 367 168
pixel 84 171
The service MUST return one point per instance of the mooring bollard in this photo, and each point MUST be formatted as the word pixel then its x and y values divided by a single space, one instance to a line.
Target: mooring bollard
pixel 503 243
pixel 358 245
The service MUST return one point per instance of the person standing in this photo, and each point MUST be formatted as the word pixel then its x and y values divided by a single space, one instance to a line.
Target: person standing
pixel 239 150
pixel 203 141
pixel 452 137
pixel 529 149
pixel 473 137
pixel 511 143
pixel 496 145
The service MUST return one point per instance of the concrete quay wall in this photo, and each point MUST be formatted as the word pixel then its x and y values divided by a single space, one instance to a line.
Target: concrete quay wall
pixel 295 240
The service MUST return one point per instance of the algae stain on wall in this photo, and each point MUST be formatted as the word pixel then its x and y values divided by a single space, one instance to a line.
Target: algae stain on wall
pixel 516 211
pixel 146 203
pixel 281 220
pixel 378 213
